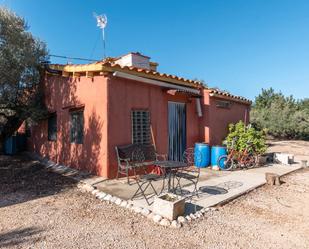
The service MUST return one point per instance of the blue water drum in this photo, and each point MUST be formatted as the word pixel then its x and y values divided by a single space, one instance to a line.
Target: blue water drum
pixel 216 152
pixel 10 147
pixel 201 155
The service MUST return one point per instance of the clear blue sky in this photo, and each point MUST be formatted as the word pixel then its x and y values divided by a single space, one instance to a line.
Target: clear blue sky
pixel 238 45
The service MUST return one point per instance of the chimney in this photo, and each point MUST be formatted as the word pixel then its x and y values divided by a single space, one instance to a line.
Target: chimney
pixel 137 60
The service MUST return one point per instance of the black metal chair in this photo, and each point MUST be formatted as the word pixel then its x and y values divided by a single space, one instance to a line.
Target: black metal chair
pixel 190 173
pixel 143 181
pixel 127 163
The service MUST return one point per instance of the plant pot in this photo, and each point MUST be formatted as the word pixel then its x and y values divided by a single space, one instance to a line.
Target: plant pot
pixel 169 206
pixel 262 160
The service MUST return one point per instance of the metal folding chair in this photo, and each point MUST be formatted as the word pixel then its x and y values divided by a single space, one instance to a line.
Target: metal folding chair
pixel 190 173
pixel 143 181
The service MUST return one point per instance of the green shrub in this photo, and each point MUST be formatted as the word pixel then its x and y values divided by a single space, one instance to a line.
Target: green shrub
pixel 241 137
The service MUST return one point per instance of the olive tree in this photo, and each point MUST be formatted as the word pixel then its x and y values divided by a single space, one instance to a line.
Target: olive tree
pixel 21 55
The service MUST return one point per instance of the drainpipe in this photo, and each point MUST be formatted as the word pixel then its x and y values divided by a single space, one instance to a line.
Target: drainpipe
pixel 198 107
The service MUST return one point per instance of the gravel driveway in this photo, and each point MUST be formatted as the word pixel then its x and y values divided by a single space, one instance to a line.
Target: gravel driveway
pixel 40 209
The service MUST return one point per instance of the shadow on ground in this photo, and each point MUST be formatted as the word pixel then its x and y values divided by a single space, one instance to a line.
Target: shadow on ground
pixel 22 179
pixel 18 237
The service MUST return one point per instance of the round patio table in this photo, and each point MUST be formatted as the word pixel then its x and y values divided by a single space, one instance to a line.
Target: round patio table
pixel 170 167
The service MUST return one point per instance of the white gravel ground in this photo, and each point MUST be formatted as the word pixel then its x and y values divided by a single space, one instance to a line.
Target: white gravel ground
pixel 44 210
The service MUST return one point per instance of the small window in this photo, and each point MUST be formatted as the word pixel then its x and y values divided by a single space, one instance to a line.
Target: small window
pixel 52 127
pixel 223 104
pixel 140 127
pixel 77 126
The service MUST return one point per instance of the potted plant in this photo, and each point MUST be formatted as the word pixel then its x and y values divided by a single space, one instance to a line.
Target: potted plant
pixel 169 206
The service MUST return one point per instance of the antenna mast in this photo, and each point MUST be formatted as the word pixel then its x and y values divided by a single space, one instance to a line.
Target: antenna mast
pixel 101 23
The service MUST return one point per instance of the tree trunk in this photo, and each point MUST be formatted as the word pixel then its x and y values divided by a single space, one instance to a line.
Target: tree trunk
pixel 272 179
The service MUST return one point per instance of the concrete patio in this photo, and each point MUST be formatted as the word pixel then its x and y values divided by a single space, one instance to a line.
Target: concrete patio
pixel 215 187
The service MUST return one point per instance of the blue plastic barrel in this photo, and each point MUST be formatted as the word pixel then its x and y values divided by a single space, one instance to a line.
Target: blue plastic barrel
pixel 10 147
pixel 216 152
pixel 201 155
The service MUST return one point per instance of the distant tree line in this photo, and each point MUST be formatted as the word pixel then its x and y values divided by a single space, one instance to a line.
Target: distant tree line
pixel 281 116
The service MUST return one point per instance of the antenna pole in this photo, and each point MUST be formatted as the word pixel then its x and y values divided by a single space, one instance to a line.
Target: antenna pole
pixel 104 46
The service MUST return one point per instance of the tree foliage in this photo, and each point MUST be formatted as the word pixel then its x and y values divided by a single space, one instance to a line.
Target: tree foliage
pixel 280 116
pixel 21 55
pixel 241 137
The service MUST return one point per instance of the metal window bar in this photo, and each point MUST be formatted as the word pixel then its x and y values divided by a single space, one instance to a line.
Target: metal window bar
pixel 140 127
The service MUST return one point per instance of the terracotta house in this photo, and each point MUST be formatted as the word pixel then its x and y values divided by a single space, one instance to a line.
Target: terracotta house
pixel 95 107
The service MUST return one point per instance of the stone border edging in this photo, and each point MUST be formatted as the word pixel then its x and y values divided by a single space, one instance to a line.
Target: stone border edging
pixel 85 187
pixel 158 219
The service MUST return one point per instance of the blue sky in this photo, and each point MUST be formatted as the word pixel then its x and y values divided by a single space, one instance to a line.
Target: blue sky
pixel 237 45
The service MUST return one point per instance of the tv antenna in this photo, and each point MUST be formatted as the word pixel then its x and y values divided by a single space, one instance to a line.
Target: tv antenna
pixel 101 23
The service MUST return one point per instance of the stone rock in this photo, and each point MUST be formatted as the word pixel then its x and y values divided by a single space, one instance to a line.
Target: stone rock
pixel 145 212
pixel 150 216
pixel 129 206
pixel 101 195
pixel 107 198
pixel 175 224
pixel 118 201
pixel 113 199
pixel 94 192
pixel 157 218
pixel 214 209
pixel 123 204
pixel 188 218
pixel 165 222
pixel 137 209
pixel 181 219
pixel 207 209
pixel 192 216
pixel 198 214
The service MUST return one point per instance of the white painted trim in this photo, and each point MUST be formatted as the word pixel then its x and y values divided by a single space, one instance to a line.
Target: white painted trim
pixel 154 82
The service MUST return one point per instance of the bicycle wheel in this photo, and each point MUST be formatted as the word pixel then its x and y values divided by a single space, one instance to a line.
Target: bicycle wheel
pixel 250 161
pixel 225 163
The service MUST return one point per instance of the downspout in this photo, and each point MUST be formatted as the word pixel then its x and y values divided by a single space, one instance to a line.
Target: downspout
pixel 198 107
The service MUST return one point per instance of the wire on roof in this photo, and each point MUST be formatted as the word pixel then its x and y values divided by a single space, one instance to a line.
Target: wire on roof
pixel 71 58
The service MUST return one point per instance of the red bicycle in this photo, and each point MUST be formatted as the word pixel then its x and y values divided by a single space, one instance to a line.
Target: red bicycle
pixel 237 159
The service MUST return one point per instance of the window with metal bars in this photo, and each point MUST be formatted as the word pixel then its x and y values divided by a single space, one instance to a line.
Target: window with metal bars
pixel 140 127
pixel 77 126
pixel 52 127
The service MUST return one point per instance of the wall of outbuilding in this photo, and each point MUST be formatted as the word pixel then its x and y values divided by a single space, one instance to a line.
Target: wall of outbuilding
pixel 107 102
pixel 66 94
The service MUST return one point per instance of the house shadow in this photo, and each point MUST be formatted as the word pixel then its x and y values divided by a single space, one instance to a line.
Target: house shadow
pixel 17 237
pixel 23 179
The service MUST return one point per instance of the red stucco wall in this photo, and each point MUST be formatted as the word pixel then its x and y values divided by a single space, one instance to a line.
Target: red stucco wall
pixel 215 121
pixel 62 94
pixel 125 95
pixel 107 103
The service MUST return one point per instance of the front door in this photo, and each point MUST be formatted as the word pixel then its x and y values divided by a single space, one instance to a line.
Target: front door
pixel 176 130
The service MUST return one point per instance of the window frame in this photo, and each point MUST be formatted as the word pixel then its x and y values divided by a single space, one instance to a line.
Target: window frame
pixel 224 104
pixel 78 127
pixel 52 128
pixel 144 139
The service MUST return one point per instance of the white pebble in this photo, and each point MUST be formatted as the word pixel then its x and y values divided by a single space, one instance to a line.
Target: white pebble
pixel 175 224
pixel 118 201
pixel 145 212
pixel 188 218
pixel 137 209
pixel 165 222
pixel 181 219
pixel 123 204
pixel 157 218
pixel 107 198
